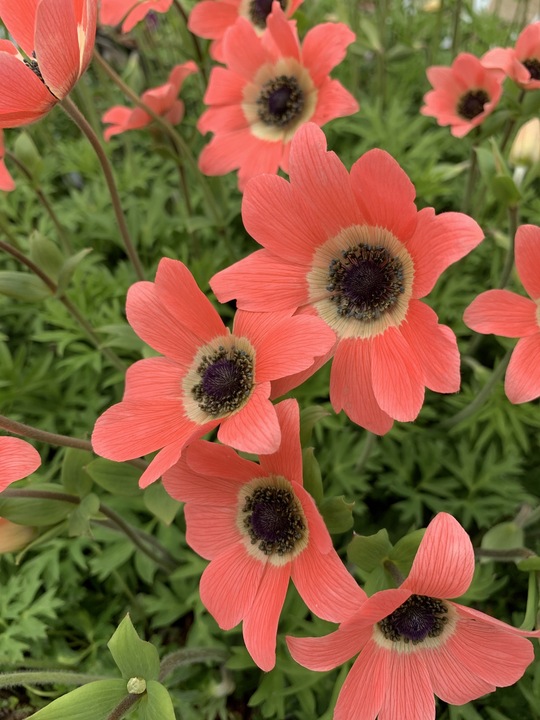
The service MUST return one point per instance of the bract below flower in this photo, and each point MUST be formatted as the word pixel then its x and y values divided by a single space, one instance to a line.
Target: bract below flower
pixel 208 377
pixel 259 528
pixel 508 314
pixel 6 181
pixel 57 38
pixel 163 100
pixel 521 63
pixel 17 460
pixel 415 643
pixel 129 12
pixel 269 89
pixel 354 251
pixel 463 95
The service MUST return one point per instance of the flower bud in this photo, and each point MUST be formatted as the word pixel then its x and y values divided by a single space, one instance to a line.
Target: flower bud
pixel 525 149
pixel 136 685
pixel 14 537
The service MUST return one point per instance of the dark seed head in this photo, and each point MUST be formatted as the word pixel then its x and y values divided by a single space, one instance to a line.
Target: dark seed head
pixel 533 66
pixel 274 520
pixel 280 101
pixel 472 104
pixel 420 617
pixel 226 381
pixel 259 10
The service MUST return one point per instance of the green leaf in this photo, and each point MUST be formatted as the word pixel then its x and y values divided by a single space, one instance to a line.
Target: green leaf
pixel 26 151
pixel 79 520
pixel 45 255
pixel 505 190
pixel 369 551
pixel 68 268
pixel 35 511
pixel 405 550
pixel 74 477
pixel 532 563
pixel 308 419
pixel 337 514
pixel 157 703
pixel 505 536
pixel 118 478
pixel 23 286
pixel 160 503
pixel 134 657
pixel 94 701
pixel 312 475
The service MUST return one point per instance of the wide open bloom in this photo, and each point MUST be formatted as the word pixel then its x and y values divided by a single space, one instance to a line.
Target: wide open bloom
pixel 57 39
pixel 208 377
pixel 508 314
pixel 414 642
pixel 270 87
pixel 259 528
pixel 463 95
pixel 129 12
pixel 6 181
pixel 211 18
pixel 521 63
pixel 17 460
pixel 354 251
pixel 163 100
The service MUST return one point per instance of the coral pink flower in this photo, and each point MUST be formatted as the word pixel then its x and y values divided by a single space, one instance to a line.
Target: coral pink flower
pixel 6 181
pixel 208 377
pixel 260 528
pixel 521 63
pixel 270 87
pixel 463 95
pixel 57 37
pixel 17 460
pixel 414 642
pixel 163 100
pixel 13 536
pixel 354 250
pixel 129 12
pixel 510 315
pixel 211 18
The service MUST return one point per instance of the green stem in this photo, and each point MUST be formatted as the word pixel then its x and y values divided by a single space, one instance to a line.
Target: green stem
pixel 513 220
pixel 394 572
pixel 52 677
pixel 456 27
pixel 510 555
pixel 126 704
pixel 195 39
pixel 471 180
pixel 78 118
pixel 531 611
pixel 510 124
pixel 189 656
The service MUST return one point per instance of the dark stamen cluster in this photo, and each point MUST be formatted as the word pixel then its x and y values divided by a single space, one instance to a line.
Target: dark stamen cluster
pixel 275 522
pixel 420 617
pixel 227 380
pixel 472 104
pixel 281 100
pixel 34 67
pixel 533 66
pixel 259 10
pixel 365 282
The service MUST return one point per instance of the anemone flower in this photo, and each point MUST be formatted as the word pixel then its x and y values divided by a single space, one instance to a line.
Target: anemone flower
pixel 259 528
pixel 208 377
pixel 17 460
pixel 521 63
pixel 414 642
pixel 354 251
pixel 163 100
pixel 129 12
pixel 463 95
pixel 6 181
pixel 271 87
pixel 211 18
pixel 511 315
pixel 57 39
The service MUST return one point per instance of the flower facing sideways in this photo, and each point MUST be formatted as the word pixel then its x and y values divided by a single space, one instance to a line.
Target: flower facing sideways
pixel 129 12
pixel 163 100
pixel 414 642
pixel 17 460
pixel 508 314
pixel 6 181
pixel 269 89
pixel 57 39
pixel 354 251
pixel 259 528
pixel 521 63
pixel 463 95
pixel 208 377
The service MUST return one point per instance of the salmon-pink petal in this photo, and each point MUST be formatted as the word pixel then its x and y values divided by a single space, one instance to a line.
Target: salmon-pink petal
pixel 222 119
pixel 7 184
pixel 154 378
pixel 254 279
pixel 528 42
pixel 366 685
pixel 528 257
pixel 283 33
pixel 409 695
pixel 351 387
pixel 442 78
pixel 211 528
pixel 439 241
pixel 122 119
pixel 17 460
pixel 208 19
pixel 284 385
pixel 264 157
pixel 176 113
pixel 450 679
pixel 444 564
pixel 164 460
pixel 333 101
pixel 326 653
pixel 522 382
pixel 57 45
pixel 468 612
pixel 325 585
pixel 503 313
pixel 242 49
pixel 287 460
pixel 318 532
pixel 86 18
pixel 434 346
pixel 20 19
pixel 261 620
pixel 219 461
pixel 377 607
pixel 224 87
pixel 398 382
pixel 324 47
pixel 226 152
pixel 139 12
pixel 384 193
pixel 502 58
pixel 230 584
pixel 18 106
pixel 254 428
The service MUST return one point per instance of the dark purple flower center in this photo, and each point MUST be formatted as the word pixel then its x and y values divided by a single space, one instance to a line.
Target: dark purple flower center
pixel 226 381
pixel 419 617
pixel 365 282
pixel 472 104
pixel 274 519
pixel 533 66
pixel 280 101
pixel 259 10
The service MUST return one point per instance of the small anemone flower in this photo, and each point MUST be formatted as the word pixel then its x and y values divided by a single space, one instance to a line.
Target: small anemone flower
pixel 57 39
pixel 163 100
pixel 269 89
pixel 17 460
pixel 508 314
pixel 7 184
pixel 209 376
pixel 129 12
pixel 463 95
pixel 522 62
pixel 212 18
pixel 414 642
pixel 354 251
pixel 259 528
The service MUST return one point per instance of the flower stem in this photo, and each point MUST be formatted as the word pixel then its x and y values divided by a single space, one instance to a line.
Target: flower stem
pixel 456 27
pixel 46 677
pixel 510 124
pixel 394 572
pixel 510 555
pixel 195 39
pixel 513 219
pixel 471 180
pixel 78 118
pixel 190 656
pixel 126 704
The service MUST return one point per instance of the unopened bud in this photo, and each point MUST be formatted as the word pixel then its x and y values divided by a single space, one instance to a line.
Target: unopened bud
pixel 136 686
pixel 525 149
pixel 14 537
